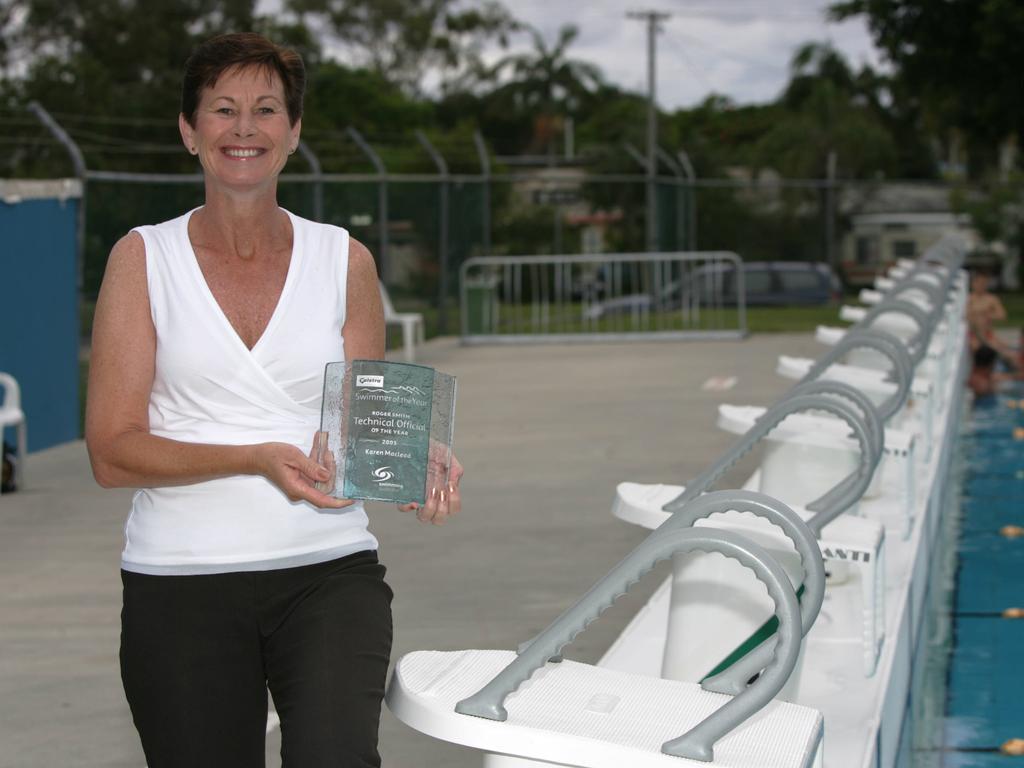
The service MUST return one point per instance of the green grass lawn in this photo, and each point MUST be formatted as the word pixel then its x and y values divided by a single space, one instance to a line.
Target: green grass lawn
pixel 759 320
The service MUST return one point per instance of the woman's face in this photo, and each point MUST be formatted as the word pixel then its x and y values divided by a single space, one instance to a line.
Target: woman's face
pixel 242 135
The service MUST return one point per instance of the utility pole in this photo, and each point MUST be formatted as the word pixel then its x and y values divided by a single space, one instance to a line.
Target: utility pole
pixel 830 210
pixel 653 19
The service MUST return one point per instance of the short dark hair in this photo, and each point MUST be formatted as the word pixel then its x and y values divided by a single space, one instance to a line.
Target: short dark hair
pixel 984 357
pixel 241 50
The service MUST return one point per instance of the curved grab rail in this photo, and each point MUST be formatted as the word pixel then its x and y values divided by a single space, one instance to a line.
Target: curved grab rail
pixel 835 501
pixel 698 742
pixel 919 278
pixel 883 342
pixel 939 294
pixel 935 293
pixel 948 251
pixel 945 275
pixel 849 487
pixel 918 343
pixel 872 419
pixel 733 680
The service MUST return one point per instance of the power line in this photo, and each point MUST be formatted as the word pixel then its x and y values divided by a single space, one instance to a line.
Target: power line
pixel 696 69
pixel 730 54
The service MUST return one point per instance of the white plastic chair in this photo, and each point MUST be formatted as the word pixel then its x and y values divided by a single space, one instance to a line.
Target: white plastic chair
pixel 411 322
pixel 11 415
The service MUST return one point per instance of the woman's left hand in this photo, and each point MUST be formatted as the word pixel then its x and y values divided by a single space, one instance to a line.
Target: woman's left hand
pixel 441 503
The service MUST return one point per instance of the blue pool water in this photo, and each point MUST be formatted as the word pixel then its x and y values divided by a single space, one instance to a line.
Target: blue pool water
pixel 968 693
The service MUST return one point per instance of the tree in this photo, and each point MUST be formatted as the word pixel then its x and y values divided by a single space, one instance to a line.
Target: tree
pixel 340 96
pixel 544 83
pixel 959 61
pixel 406 41
pixel 825 110
pixel 113 57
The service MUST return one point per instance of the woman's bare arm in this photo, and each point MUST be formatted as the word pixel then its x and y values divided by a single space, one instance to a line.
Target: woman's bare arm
pixel 364 315
pixel 122 450
pixel 364 339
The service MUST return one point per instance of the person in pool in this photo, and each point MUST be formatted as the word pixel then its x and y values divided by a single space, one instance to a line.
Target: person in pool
pixel 984 309
pixel 210 339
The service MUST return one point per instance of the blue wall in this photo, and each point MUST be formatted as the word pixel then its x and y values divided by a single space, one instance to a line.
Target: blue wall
pixel 39 315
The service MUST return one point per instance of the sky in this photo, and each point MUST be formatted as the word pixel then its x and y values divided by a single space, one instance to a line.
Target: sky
pixel 739 48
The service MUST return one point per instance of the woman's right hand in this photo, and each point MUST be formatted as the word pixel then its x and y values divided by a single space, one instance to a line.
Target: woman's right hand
pixel 295 474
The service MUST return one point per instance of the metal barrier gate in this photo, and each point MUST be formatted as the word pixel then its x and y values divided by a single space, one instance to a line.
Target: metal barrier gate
pixel 602 297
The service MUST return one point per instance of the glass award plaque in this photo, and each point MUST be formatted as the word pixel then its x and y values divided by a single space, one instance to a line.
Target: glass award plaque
pixel 385 430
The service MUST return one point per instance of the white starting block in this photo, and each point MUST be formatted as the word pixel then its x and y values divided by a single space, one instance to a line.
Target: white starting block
pixel 916 416
pixel 581 716
pixel 955 304
pixel 869 296
pixel 807 452
pixel 929 366
pixel 531 707
pixel 847 543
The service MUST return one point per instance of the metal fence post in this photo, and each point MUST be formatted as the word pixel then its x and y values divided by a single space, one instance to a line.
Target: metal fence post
pixel 830 211
pixel 485 170
pixel 81 171
pixel 680 201
pixel 442 293
pixel 382 198
pixel 651 174
pixel 691 175
pixel 318 184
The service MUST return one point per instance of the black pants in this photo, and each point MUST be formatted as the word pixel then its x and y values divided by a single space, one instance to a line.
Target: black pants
pixel 199 652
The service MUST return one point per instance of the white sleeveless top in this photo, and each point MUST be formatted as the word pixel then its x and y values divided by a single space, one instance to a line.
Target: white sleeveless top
pixel 210 388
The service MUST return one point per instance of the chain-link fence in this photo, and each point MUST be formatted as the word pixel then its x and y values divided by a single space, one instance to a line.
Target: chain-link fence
pixel 451 200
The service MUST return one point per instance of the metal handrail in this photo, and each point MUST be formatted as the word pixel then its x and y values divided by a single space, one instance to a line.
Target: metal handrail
pixel 832 503
pixel 551 299
pixel 947 251
pixel 876 432
pixel 918 343
pixel 945 275
pixel 917 281
pixel 831 388
pixel 662 543
pixel 880 341
pixel 582 258
pixel 734 679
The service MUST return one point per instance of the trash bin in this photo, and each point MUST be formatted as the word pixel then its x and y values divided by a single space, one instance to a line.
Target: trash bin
pixel 481 308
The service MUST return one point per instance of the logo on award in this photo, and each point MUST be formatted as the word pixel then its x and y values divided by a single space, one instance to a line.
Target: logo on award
pixel 383 474
pixel 370 381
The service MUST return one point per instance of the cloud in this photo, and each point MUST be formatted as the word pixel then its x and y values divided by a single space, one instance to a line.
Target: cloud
pixel 739 48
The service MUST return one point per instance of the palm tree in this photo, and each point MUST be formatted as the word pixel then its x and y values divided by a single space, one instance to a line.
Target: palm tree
pixel 828 108
pixel 545 83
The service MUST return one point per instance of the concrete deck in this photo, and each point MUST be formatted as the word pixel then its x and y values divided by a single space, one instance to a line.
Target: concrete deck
pixel 545 433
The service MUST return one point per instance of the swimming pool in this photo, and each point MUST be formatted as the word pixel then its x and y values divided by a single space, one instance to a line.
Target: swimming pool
pixel 966 698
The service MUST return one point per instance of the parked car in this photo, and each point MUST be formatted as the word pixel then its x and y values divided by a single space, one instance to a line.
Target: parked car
pixel 783 283
pixel 766 283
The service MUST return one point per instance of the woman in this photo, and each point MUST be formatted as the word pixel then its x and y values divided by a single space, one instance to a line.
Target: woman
pixel 209 344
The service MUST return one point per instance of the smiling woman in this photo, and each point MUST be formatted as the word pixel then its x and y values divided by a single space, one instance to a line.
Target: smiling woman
pixel 244 121
pixel 210 338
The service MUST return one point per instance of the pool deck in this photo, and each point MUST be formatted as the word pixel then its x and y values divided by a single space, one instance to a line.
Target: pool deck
pixel 545 433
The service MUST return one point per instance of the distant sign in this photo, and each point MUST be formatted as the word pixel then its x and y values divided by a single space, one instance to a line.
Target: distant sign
pixel 360 220
pixel 557 196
